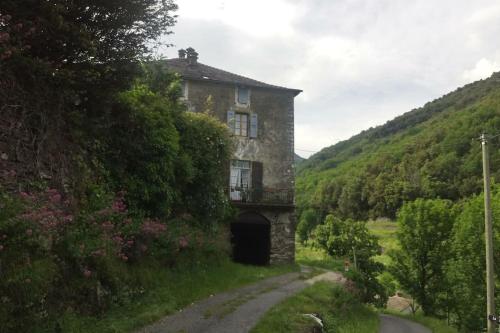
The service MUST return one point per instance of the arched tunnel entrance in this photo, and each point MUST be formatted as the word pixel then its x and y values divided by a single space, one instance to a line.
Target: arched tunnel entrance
pixel 251 239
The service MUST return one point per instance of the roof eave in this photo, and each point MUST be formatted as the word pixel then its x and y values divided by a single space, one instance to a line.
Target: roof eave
pixel 187 77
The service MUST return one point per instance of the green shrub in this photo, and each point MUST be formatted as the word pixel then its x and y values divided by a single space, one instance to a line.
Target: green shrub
pixel 351 239
pixel 53 258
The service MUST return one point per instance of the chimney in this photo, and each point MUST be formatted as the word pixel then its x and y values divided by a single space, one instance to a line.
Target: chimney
pixel 182 53
pixel 191 55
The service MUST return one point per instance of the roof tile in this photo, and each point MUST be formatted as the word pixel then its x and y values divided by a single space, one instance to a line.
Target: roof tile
pixel 199 71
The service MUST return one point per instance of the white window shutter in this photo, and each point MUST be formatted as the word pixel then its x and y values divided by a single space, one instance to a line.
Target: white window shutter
pixel 253 125
pixel 230 120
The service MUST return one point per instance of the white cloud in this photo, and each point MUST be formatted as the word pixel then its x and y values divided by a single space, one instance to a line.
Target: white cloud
pixel 359 62
pixel 262 18
pixel 485 14
pixel 481 70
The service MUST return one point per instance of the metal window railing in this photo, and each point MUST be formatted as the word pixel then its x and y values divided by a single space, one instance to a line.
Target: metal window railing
pixel 261 195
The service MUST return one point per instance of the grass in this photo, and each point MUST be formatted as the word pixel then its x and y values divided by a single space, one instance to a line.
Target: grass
pixel 341 312
pixel 434 324
pixel 386 232
pixel 170 291
pixel 308 256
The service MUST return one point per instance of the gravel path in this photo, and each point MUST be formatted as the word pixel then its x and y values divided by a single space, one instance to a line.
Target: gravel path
pixel 390 324
pixel 238 310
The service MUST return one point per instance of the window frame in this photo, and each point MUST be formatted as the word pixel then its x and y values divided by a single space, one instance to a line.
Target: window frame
pixel 242 165
pixel 237 94
pixel 238 124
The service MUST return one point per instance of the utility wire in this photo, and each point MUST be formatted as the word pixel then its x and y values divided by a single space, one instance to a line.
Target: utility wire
pixel 309 151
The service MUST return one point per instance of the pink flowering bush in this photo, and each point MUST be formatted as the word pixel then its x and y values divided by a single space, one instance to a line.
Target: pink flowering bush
pixel 53 259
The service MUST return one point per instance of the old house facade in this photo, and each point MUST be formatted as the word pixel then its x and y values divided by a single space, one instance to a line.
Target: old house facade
pixel 261 177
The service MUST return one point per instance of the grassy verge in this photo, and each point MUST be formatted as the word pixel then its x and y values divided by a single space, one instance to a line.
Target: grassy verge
pixel 170 290
pixel 306 255
pixel 386 233
pixel 341 312
pixel 434 324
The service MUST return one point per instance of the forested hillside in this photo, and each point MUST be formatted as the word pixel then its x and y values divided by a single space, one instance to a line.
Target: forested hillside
pixel 430 152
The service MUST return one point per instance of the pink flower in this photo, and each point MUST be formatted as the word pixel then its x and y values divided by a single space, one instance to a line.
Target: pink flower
pixel 119 206
pixel 87 273
pixel 55 198
pixel 52 191
pixel 118 239
pixel 183 242
pixel 124 257
pixel 153 227
pixel 130 242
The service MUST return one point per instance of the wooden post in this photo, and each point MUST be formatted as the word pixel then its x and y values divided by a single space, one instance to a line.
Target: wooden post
pixel 488 233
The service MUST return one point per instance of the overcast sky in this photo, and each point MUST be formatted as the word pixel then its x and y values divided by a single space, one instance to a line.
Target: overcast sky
pixel 359 62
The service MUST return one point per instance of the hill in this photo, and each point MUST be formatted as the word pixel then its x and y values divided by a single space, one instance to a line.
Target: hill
pixel 428 152
pixel 297 159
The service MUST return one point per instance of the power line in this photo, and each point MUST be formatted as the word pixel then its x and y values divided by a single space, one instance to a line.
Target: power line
pixel 309 151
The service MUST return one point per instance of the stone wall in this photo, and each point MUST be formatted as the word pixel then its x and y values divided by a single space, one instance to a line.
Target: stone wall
pixel 274 147
pixel 274 143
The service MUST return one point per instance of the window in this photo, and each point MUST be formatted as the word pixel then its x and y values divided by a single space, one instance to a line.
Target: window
pixel 243 96
pixel 241 124
pixel 239 181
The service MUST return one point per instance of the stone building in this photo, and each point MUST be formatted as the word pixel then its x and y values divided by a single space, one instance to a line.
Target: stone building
pixel 261 177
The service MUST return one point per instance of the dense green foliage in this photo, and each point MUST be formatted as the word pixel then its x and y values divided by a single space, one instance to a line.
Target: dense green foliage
pixel 102 169
pixel 61 65
pixel 308 221
pixel 169 162
pixel 440 258
pixel 426 153
pixel 424 247
pixel 466 269
pixel 339 307
pixel 351 240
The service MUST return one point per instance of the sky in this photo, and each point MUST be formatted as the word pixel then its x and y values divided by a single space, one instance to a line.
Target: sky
pixel 359 63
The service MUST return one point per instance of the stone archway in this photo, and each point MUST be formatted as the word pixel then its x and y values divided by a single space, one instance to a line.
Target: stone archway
pixel 251 239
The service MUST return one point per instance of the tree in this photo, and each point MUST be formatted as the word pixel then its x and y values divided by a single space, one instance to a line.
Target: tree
pixel 309 219
pixel 467 269
pixel 424 236
pixel 62 63
pixel 351 239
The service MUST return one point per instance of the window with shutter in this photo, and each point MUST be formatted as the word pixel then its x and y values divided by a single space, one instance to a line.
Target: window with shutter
pixel 230 120
pixel 240 180
pixel 241 124
pixel 254 128
pixel 257 181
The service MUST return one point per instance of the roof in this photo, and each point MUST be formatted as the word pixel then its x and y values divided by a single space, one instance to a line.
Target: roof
pixel 201 72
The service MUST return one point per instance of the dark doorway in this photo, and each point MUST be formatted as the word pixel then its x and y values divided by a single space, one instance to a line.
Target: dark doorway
pixel 251 239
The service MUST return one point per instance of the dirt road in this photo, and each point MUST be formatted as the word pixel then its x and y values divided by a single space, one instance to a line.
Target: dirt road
pixel 238 310
pixel 391 324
